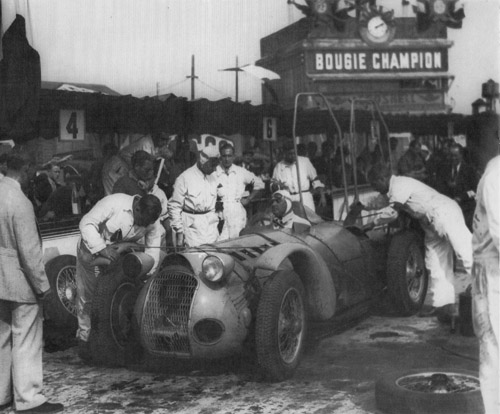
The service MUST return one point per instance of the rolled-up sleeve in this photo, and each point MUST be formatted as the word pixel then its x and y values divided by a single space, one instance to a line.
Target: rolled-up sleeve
pixel 176 203
pixel 160 194
pixel 312 175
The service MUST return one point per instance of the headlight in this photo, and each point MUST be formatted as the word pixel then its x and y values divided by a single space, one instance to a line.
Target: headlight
pixel 212 268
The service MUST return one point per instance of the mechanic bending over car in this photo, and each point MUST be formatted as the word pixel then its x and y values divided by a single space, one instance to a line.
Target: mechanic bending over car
pixel 231 182
pixel 192 205
pixel 286 172
pixel 283 215
pixel 445 231
pixel 114 219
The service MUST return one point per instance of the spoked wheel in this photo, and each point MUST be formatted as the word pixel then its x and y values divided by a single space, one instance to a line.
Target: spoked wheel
pixel 406 274
pixel 429 391
pixel 122 310
pixel 415 273
pixel 61 309
pixel 111 317
pixel 281 326
pixel 290 329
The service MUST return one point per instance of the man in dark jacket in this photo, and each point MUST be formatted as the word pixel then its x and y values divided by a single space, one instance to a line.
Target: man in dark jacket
pixel 461 183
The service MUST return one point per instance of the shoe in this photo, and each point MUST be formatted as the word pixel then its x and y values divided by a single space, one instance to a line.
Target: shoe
pixel 46 407
pixel 84 351
pixel 5 406
pixel 448 314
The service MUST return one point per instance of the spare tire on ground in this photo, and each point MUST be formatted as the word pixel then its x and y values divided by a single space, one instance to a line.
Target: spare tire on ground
pixel 429 391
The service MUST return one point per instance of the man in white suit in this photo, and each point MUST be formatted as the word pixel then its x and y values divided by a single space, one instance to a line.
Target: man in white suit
pixel 23 285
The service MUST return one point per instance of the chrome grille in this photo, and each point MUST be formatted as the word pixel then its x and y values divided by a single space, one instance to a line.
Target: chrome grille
pixel 166 312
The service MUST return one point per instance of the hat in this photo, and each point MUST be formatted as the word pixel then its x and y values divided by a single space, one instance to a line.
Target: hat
pixel 284 193
pixel 210 151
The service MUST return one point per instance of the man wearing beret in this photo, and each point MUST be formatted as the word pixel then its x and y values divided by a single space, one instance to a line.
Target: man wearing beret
pixel 192 205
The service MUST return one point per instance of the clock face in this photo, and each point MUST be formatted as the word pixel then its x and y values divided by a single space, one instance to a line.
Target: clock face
pixel 320 6
pixel 377 27
pixel 439 7
pixel 377 32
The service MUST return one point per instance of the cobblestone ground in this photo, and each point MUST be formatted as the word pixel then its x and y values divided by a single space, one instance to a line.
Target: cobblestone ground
pixel 338 374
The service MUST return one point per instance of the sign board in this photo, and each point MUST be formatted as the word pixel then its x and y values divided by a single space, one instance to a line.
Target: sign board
pixel 72 124
pixel 270 131
pixel 376 61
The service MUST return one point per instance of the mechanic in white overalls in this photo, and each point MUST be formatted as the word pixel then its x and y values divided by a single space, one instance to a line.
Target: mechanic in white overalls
pixel 486 283
pixel 445 231
pixel 231 182
pixel 192 205
pixel 286 172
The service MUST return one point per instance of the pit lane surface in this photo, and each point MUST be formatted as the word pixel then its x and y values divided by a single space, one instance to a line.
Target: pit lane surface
pixel 338 374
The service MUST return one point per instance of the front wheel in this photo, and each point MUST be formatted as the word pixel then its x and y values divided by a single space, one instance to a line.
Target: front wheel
pixel 111 317
pixel 281 325
pixel 407 277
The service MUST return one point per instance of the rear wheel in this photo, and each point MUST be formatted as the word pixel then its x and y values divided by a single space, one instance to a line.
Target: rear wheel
pixel 281 326
pixel 111 317
pixel 406 274
pixel 61 306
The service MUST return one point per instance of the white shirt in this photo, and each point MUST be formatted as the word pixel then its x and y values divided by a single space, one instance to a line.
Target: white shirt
pixel 486 226
pixel 287 173
pixel 419 199
pixel 231 184
pixel 114 213
pixel 193 191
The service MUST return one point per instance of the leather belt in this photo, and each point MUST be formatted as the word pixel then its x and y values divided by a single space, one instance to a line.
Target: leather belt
pixel 195 212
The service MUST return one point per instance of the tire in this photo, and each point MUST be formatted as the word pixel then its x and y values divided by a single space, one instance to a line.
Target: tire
pixel 280 331
pixel 111 317
pixel 61 305
pixel 394 398
pixel 407 276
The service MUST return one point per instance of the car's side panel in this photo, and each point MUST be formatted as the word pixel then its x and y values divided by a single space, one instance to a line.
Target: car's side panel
pixel 350 264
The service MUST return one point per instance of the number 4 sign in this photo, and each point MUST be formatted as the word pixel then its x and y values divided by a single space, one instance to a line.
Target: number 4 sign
pixel 72 125
pixel 270 132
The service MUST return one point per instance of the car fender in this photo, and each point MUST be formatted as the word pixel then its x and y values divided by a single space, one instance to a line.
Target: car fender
pixel 321 294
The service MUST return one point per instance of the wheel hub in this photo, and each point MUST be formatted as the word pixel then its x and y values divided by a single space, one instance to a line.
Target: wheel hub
pixel 439 383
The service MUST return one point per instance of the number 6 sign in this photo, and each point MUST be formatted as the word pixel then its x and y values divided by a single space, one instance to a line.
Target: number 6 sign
pixel 270 132
pixel 72 125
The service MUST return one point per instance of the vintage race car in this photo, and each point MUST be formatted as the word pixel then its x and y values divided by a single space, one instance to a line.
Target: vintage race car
pixel 257 292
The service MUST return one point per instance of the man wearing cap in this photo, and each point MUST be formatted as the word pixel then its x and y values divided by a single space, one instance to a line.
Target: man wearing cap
pixel 231 183
pixel 286 172
pixel 192 205
pixel 283 215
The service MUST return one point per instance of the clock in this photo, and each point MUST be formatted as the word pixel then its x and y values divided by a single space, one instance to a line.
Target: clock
pixel 320 6
pixel 377 31
pixel 439 7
